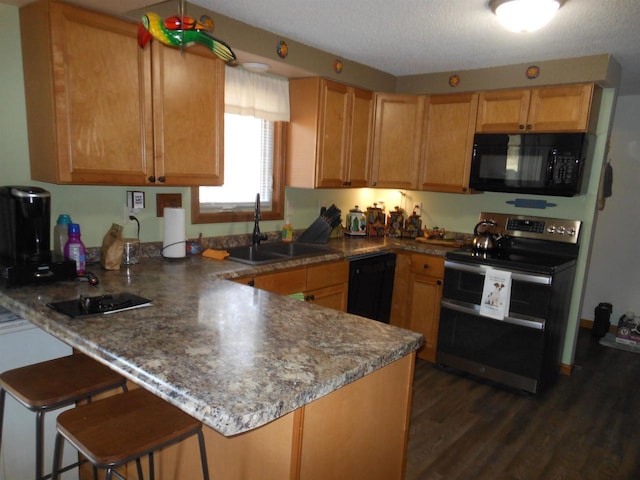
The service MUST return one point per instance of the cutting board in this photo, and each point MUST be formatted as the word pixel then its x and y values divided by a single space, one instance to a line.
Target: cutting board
pixel 445 243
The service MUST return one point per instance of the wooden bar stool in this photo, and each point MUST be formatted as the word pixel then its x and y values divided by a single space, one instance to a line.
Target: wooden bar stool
pixel 46 386
pixel 126 427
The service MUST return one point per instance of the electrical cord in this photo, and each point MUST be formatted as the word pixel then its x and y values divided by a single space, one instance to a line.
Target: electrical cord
pixel 133 217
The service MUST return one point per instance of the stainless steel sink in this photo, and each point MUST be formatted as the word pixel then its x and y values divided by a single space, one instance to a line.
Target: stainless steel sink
pixel 275 252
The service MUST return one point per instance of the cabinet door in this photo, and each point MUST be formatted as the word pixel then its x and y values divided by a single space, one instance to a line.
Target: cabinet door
pixel 359 171
pixel 333 134
pixel 400 298
pixel 561 109
pixel 450 122
pixel 503 111
pixel 284 283
pixel 92 125
pixel 188 109
pixel 326 274
pixel 328 285
pixel 425 293
pixel 424 314
pixel 396 145
pixel 334 297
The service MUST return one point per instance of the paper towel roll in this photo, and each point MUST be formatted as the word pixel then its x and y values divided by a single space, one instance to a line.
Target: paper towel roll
pixel 174 240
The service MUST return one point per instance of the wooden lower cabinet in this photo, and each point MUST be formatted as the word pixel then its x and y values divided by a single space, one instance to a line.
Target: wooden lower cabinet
pixel 357 432
pixel 417 292
pixel 326 284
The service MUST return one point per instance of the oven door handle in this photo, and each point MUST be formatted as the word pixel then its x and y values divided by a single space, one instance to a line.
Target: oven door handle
pixel 473 309
pixel 539 279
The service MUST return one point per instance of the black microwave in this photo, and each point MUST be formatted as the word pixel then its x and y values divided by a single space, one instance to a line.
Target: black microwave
pixel 530 163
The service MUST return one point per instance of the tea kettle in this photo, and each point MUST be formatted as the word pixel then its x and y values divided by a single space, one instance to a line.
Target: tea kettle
pixel 484 240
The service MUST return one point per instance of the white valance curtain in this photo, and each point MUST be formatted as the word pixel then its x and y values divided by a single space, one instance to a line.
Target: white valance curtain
pixel 261 96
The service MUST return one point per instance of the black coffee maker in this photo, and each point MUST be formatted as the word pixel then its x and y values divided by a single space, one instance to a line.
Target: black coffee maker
pixel 25 232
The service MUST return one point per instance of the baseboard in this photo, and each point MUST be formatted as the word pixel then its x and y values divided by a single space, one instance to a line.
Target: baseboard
pixel 566 369
pixel 584 323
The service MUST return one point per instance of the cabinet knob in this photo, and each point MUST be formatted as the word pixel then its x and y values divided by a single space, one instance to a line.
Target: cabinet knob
pixel 521 127
pixel 425 266
pixel 251 283
pixel 152 179
pixel 439 282
pixel 162 179
pixel 309 298
pixel 529 127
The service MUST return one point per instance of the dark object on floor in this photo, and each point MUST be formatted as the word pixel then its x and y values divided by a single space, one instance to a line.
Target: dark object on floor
pixel 601 321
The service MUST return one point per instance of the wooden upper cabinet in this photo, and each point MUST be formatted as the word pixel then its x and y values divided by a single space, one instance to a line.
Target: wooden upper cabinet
pixel 188 116
pixel 90 110
pixel 545 109
pixel 397 136
pixel 329 142
pixel 450 122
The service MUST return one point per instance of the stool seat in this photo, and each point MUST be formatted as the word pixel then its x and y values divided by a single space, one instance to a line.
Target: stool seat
pixel 116 430
pixel 53 384
pixel 62 381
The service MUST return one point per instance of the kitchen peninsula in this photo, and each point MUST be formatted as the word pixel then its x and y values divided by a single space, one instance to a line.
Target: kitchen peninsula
pixel 285 389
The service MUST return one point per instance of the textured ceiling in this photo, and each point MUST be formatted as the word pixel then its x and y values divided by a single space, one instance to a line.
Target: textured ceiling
pixel 427 36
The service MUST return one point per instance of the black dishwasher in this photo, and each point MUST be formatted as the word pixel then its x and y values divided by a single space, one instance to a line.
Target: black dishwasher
pixel 371 286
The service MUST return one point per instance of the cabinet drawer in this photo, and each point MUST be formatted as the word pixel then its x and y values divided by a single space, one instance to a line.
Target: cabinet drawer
pixel 320 276
pixel 284 283
pixel 430 265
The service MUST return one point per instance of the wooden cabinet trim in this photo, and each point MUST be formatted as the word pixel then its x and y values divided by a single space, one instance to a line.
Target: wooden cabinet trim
pixel 326 274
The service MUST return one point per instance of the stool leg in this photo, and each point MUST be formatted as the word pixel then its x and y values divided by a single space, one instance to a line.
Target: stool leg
pixel 152 473
pixel 203 456
pixel 2 395
pixel 57 454
pixel 139 467
pixel 39 443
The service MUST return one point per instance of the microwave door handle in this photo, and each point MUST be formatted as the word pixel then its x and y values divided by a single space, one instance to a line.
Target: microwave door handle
pixel 552 163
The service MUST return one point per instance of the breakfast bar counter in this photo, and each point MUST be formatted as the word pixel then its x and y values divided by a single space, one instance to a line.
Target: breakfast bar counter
pixel 255 367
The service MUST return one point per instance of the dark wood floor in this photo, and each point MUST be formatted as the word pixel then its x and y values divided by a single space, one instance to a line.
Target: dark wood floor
pixel 586 427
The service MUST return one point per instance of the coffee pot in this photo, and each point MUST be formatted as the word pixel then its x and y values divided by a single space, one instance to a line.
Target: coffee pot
pixel 484 240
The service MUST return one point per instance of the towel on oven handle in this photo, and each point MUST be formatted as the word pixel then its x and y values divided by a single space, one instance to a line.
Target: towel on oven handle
pixel 496 294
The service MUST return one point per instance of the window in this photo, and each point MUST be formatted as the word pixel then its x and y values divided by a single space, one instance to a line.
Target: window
pixel 256 109
pixel 253 163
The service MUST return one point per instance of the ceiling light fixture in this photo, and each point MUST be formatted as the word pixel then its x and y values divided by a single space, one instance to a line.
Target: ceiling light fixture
pixel 525 15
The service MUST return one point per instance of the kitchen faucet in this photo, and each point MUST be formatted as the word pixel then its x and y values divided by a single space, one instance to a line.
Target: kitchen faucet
pixel 257 237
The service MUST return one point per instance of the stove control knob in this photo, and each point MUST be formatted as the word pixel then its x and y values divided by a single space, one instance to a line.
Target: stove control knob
pixel 571 232
pixel 551 229
pixel 561 230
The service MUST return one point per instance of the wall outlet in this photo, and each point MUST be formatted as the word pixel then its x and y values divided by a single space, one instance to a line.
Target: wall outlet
pixel 135 200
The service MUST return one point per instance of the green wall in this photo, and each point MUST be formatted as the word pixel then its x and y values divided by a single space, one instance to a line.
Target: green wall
pixel 96 208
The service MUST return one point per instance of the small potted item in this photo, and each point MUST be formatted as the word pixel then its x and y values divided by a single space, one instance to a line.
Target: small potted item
pixel 395 222
pixel 375 221
pixel 435 233
pixel 413 226
pixel 356 222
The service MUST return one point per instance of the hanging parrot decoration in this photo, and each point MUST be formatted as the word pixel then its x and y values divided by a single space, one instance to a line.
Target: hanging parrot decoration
pixel 182 31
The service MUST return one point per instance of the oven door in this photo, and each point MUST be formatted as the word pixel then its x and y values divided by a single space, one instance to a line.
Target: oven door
pixel 510 351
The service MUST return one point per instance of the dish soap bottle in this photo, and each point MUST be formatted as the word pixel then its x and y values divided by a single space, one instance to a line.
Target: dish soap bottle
pixel 61 234
pixel 74 249
pixel 287 232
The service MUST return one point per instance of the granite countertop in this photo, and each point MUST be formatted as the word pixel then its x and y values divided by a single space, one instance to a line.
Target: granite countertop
pixel 232 356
